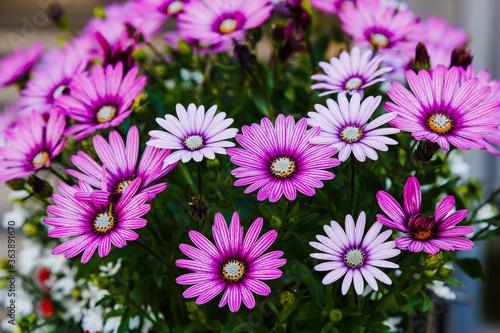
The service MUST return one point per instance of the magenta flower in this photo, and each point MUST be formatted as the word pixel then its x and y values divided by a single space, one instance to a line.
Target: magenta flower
pixel 100 100
pixel 159 9
pixel 235 264
pixel 96 225
pixel 18 64
pixel 344 126
pixel 31 145
pixel 280 160
pixel 194 134
pixel 426 233
pixel 52 78
pixel 377 23
pixel 443 109
pixel 120 160
pixel 331 6
pixel 350 255
pixel 217 20
pixel 8 119
pixel 350 72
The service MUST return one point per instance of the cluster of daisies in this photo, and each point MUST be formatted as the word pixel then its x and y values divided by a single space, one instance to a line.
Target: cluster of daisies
pixel 91 83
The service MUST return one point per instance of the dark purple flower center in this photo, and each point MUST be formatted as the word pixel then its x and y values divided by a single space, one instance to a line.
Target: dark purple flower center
pixel 439 123
pixel 104 222
pixel 283 167
pixel 354 258
pixel 106 113
pixel 228 22
pixel 421 227
pixel 40 159
pixel 233 271
pixel 351 133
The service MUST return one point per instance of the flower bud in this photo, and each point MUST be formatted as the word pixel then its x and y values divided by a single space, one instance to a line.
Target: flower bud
pixel 422 59
pixel 39 186
pixel 335 316
pixel 15 184
pixel 275 223
pixel 213 164
pixel 198 208
pixel 434 261
pixel 30 229
pixel 461 56
pixel 287 299
pixel 425 150
pixel 278 36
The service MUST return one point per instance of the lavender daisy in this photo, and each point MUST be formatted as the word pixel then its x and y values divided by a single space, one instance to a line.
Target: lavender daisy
pixel 350 255
pixel 96 225
pixel 8 119
pixel 31 145
pixel 159 9
pixel 444 109
pixel 120 160
pixel 331 6
pixel 213 21
pixel 100 100
pixel 350 72
pixel 235 264
pixel 18 64
pixel 194 134
pixel 280 160
pixel 428 233
pixel 345 126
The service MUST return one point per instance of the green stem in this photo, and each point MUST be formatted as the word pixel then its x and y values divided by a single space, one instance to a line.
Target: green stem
pixel 419 167
pixel 264 93
pixel 155 50
pixel 200 185
pixel 58 175
pixel 353 182
pixel 151 252
pixel 154 76
pixel 489 200
pixel 312 57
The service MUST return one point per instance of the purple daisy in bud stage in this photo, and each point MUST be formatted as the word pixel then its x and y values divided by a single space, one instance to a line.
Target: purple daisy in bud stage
pixel 280 160
pixel 31 145
pixel 101 99
pixel 444 109
pixel 96 225
pixel 17 65
pixel 357 258
pixel 120 160
pixel 235 264
pixel 426 233
pixel 350 72
pixel 194 134
pixel 380 24
pixel 216 20
pixel 345 126
pixel 332 6
pixel 52 78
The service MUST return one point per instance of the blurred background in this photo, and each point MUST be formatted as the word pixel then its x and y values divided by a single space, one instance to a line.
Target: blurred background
pixel 476 307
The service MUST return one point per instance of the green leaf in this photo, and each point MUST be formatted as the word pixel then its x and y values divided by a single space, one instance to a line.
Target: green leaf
pixel 350 299
pixel 327 327
pixel 453 282
pixel 159 275
pixel 142 289
pixel 426 302
pixel 401 300
pixel 472 267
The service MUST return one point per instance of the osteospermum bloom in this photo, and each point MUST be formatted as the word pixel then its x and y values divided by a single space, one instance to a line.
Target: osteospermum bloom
pixel 236 263
pixel 120 160
pixel 280 160
pixel 213 21
pixel 159 9
pixel 331 6
pixel 377 23
pixel 31 145
pixel 350 72
pixel 428 233
pixel 96 225
pixel 100 100
pixel 18 64
pixel 8 119
pixel 444 109
pixel 345 127
pixel 350 255
pixel 194 134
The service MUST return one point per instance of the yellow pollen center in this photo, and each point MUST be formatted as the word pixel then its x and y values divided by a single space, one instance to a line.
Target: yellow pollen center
pixel 228 25
pixel 439 123
pixel 283 167
pixel 353 83
pixel 104 222
pixel 379 40
pixel 123 185
pixel 174 7
pixel 423 235
pixel 40 159
pixel 106 113
pixel 233 271
pixel 351 134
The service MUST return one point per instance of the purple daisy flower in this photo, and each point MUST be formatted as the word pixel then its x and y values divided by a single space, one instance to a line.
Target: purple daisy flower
pixel 31 145
pixel 18 64
pixel 194 135
pixel 215 20
pixel 100 100
pixel 345 126
pixel 443 109
pixel 52 78
pixel 377 23
pixel 331 6
pixel 426 233
pixel 96 225
pixel 159 9
pixel 8 119
pixel 280 160
pixel 350 72
pixel 235 264
pixel 357 258
pixel 120 160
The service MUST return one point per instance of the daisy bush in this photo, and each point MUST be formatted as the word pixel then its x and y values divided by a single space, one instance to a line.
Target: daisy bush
pixel 244 169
